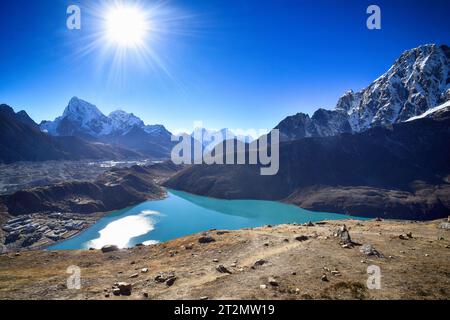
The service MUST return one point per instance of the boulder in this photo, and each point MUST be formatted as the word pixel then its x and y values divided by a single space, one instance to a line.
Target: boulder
pixel 124 288
pixel 273 282
pixel 222 269
pixel 206 239
pixel 344 235
pixel 445 225
pixel 110 248
pixel 259 263
pixel 30 240
pixel 369 250
pixel 170 282
pixel 301 238
pixel 12 237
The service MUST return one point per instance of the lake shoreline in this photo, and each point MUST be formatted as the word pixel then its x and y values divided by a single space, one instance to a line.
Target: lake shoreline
pixel 168 219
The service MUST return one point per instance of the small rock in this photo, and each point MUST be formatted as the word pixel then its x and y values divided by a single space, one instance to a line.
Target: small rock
pixel 173 253
pixel 427 255
pixel 409 235
pixel 170 282
pixel 204 298
pixel 233 265
pixel 294 273
pixel 145 294
pixel 133 262
pixel 273 282
pixel 259 263
pixel 301 238
pixel 160 278
pixel 122 288
pixel 324 278
pixel 266 244
pixel 135 275
pixel 144 270
pixel 402 237
pixel 189 246
pixel 369 250
pixel 110 248
pixel 445 225
pixel 116 291
pixel 206 239
pixel 222 269
pixel 309 224
pixel 215 260
pixel 107 295
pixel 263 286
pixel 286 240
pixel 17 254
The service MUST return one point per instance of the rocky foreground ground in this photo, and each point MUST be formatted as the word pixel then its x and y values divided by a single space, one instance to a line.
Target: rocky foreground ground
pixel 321 261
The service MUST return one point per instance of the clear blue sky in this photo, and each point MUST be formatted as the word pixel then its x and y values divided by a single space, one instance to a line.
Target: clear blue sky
pixel 232 63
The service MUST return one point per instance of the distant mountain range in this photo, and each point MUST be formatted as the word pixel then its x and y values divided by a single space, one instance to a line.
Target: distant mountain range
pixel 22 140
pixel 418 81
pixel 397 171
pixel 383 151
pixel 85 120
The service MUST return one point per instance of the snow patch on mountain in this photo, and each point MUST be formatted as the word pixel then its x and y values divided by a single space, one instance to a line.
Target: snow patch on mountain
pixel 430 112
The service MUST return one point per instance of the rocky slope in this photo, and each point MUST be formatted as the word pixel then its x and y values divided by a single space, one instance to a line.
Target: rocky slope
pixel 418 81
pixel 115 189
pixel 397 171
pixel 85 120
pixel 281 262
pixel 35 217
pixel 21 140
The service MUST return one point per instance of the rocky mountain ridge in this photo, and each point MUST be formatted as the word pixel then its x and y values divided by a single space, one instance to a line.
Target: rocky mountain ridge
pixel 418 81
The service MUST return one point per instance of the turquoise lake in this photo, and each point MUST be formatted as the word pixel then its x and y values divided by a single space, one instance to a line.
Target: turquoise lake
pixel 182 214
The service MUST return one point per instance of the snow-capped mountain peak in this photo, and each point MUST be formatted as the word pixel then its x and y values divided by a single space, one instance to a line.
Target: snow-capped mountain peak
pixel 418 81
pixel 121 121
pixel 81 118
pixel 82 110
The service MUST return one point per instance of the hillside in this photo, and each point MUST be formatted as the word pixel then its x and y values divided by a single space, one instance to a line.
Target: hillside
pixel 280 262
pixel 398 171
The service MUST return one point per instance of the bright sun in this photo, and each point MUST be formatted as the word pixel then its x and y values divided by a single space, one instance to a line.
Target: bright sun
pixel 126 26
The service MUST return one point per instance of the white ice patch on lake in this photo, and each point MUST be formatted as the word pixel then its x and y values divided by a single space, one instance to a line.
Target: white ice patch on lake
pixel 121 231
